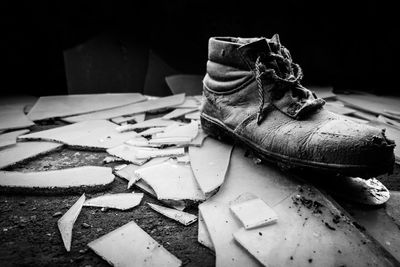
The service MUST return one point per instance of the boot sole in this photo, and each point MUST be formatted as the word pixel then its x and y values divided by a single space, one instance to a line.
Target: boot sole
pixel 219 131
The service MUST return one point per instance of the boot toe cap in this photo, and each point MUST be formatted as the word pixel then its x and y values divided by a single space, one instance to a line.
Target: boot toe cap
pixel 354 146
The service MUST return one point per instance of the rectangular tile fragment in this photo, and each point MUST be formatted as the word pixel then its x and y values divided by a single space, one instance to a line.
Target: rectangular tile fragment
pixel 254 212
pixel 154 104
pixel 95 134
pixel 129 245
pixel 176 215
pixel 120 201
pixel 67 221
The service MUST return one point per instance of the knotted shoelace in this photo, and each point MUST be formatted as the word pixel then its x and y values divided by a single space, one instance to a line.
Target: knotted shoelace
pixel 292 79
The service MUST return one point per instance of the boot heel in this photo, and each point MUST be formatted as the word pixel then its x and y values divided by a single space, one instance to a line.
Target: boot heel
pixel 215 130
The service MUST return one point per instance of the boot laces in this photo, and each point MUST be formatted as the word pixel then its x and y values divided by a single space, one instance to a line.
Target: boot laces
pixel 290 78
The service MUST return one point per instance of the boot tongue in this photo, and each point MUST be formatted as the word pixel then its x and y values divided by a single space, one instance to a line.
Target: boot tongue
pixel 275 44
pixel 262 47
pixel 251 51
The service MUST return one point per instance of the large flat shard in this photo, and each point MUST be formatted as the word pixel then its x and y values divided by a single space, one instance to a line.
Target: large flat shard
pixel 129 245
pixel 23 151
pixel 65 180
pixel 96 135
pixel 67 105
pixel 150 105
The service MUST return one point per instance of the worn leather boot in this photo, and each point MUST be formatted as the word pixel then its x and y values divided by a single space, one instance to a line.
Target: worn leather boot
pixel 252 94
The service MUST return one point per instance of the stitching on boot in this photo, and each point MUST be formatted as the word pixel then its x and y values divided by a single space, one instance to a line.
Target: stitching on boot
pixel 244 123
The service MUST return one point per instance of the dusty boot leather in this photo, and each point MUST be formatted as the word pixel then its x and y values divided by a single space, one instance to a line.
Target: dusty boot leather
pixel 252 94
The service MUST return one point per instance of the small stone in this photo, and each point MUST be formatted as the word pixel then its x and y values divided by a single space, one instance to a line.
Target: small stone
pixel 85 225
pixel 57 214
pixel 22 203
pixel 104 209
pixel 33 218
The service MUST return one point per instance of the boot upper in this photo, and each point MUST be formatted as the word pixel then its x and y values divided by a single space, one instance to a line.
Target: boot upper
pixel 252 87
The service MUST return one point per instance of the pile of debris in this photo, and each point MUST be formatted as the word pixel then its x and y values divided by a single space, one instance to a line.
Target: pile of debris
pixel 249 213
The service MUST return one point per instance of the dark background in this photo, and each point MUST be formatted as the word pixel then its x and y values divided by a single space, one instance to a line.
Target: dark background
pixel 123 46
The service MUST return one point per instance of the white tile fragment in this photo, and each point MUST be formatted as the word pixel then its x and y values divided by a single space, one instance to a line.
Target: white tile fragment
pixel 254 213
pixel 22 151
pixel 171 181
pixel 120 201
pixel 157 122
pixel 87 176
pixel 123 119
pixel 129 245
pixel 145 154
pixel 176 113
pixel 130 109
pixel 193 116
pixel 95 134
pixel 66 222
pixel 183 159
pixel 8 139
pixel 127 153
pixel 177 215
pixel 210 163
